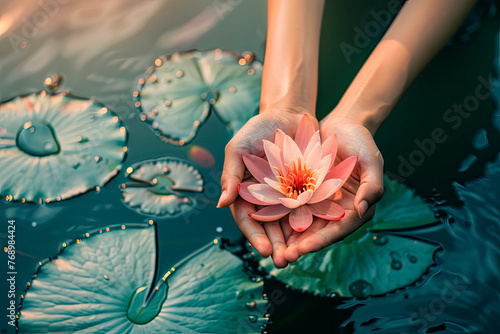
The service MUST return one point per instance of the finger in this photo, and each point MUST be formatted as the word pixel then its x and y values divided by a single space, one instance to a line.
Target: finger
pixel 371 188
pixel 275 235
pixel 293 252
pixel 232 175
pixel 286 228
pixel 250 228
pixel 333 232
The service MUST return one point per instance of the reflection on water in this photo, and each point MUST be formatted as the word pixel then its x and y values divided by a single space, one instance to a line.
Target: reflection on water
pixel 462 294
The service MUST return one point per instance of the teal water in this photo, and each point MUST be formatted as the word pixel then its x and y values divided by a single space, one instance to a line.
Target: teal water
pixel 101 49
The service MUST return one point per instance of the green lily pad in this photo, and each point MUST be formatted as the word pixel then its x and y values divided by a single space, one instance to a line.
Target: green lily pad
pixel 164 187
pixel 371 261
pixel 178 93
pixel 56 146
pixel 105 283
pixel 400 209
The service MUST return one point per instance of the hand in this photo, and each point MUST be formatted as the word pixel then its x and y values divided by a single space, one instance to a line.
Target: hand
pixel 358 195
pixel 268 238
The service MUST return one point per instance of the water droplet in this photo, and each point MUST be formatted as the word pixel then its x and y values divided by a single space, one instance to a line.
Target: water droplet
pixel 251 305
pixel 218 229
pixel 396 264
pixel 380 239
pixel 82 140
pixel 34 224
pixel 52 82
pixel 240 294
pixel 249 56
pixel 360 288
pixel 412 258
pixel 37 139
pixel 253 318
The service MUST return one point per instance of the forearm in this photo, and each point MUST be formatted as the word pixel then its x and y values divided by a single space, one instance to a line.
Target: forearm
pixel 290 76
pixel 419 31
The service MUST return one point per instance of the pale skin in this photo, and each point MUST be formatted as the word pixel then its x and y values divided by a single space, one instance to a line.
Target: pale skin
pixel 289 89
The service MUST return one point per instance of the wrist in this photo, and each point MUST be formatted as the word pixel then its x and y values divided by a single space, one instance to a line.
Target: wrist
pixel 292 106
pixel 370 118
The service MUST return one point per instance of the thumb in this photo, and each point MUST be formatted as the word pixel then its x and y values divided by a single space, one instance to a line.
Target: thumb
pixel 232 175
pixel 371 188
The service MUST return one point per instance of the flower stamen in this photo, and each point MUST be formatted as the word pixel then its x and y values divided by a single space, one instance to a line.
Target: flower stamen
pixel 299 178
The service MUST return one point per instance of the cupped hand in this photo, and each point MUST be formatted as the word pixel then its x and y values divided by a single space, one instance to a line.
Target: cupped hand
pixel 268 238
pixel 358 195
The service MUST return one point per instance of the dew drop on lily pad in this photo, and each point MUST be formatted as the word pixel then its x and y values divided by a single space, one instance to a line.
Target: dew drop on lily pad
pixel 164 188
pixel 179 92
pixel 360 288
pixel 105 282
pixel 48 145
pixel 38 140
pixel 380 239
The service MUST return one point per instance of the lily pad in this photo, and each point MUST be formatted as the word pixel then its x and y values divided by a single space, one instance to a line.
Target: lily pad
pixel 372 261
pixel 104 283
pixel 164 188
pixel 178 93
pixel 56 146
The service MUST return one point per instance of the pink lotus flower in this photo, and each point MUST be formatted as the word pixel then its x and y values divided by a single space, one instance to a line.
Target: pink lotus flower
pixel 297 178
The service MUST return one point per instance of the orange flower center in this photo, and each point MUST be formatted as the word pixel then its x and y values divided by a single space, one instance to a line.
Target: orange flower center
pixel 299 178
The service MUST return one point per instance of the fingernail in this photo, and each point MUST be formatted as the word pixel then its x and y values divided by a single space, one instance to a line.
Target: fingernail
pixel 222 198
pixel 362 207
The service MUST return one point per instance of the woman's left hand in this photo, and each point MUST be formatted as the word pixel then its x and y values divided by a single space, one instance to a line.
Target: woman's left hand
pixel 358 195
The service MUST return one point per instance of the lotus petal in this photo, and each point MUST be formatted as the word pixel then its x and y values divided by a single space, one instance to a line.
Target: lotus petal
pixel 300 218
pixel 369 261
pixel 106 283
pixel 166 187
pixel 258 167
pixel 304 133
pixel 178 93
pixel 270 213
pixel 247 196
pixel 56 146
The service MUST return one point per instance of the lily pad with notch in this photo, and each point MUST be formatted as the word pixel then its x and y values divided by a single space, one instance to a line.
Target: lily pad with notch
pixel 179 92
pixel 56 146
pixel 105 282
